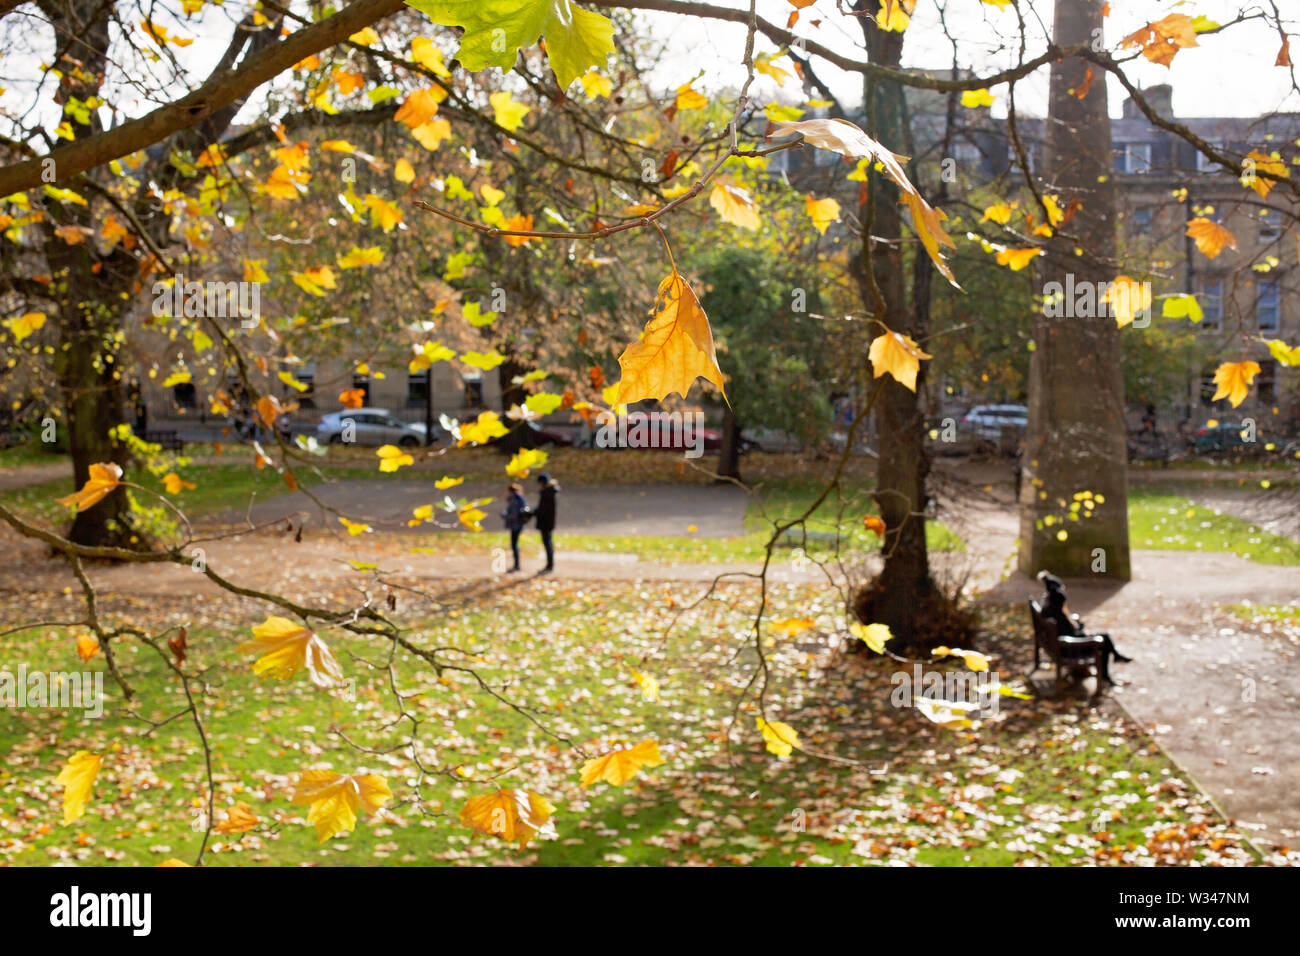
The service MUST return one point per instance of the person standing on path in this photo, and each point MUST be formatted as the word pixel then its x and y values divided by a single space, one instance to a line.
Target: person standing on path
pixel 515 516
pixel 545 513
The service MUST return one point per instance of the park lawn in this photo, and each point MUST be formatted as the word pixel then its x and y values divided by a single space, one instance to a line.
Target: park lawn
pixel 1162 521
pixel 1041 783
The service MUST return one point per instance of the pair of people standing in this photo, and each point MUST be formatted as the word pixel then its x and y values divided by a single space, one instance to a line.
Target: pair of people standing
pixel 517 514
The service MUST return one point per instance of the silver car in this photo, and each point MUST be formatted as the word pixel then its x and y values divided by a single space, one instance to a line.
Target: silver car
pixel 370 426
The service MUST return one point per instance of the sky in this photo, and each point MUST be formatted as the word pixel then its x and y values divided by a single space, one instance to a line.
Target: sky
pixel 1231 74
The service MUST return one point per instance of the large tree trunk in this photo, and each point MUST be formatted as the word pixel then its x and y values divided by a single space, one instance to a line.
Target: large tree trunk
pixel 1076 437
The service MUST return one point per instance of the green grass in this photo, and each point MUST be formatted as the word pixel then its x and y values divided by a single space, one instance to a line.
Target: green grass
pixel 1026 787
pixel 1284 613
pixel 1170 522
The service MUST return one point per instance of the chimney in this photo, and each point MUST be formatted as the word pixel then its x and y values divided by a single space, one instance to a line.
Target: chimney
pixel 1160 98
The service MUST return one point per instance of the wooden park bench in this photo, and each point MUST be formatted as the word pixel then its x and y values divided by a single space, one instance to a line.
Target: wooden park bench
pixel 1080 655
pixel 168 440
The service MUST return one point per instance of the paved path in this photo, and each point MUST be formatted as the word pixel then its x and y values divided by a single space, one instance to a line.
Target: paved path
pixel 655 510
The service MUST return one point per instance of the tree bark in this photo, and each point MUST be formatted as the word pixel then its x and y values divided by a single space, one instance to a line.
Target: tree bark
pixel 904 596
pixel 1076 439
pixel 729 453
pixel 90 381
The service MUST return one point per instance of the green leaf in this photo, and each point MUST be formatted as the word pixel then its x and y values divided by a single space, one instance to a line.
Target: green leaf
pixel 576 39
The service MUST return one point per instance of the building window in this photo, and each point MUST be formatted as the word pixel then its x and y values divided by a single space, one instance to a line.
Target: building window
pixel 1206 165
pixel 362 382
pixel 1267 307
pixel 1141 222
pixel 473 391
pixel 1133 158
pixel 417 388
pixel 1270 226
pixel 307 376
pixel 1210 299
pixel 1266 382
pixel 184 395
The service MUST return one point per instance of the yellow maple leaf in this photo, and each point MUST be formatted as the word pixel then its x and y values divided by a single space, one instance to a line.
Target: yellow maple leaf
pixel 336 798
pixel 77 780
pixel 688 98
pixel 525 460
pixel 1128 298
pixel 432 133
pixel 175 484
pixel 675 348
pixel 620 766
pixel 842 137
pixel 1285 354
pixel 946 713
pixel 1017 259
pixel 383 214
pixel 419 107
pixel 594 84
pixel 481 431
pixel 238 819
pixel 355 527
pixel 1161 39
pixel 1234 380
pixel 974 659
pixel 482 360
pixel 25 324
pixel 87 646
pixel 428 56
pixel 1272 168
pixel 875 636
pixel 253 271
pixel 515 816
pixel 822 212
pixel 446 482
pixel 895 14
pixel 287 647
pixel 735 205
pixel 791 626
pixel 899 356
pixel 518 224
pixel 316 280
pixel 1210 237
pixel 649 685
pixel 392 458
pixel 507 111
pixel 470 517
pixel 369 256
pixel 999 213
pixel 781 739
pixel 104 477
pixel 403 171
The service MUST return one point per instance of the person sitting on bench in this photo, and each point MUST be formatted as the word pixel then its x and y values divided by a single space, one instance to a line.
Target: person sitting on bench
pixel 1071 625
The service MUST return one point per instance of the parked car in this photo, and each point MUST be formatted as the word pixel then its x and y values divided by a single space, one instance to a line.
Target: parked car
pixel 988 421
pixel 372 426
pixel 1222 438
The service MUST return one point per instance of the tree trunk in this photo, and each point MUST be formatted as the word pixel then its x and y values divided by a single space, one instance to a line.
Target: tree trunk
pixel 90 381
pixel 904 596
pixel 1076 439
pixel 729 453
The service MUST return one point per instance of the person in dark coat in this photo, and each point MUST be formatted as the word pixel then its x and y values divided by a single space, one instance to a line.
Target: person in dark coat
pixel 515 516
pixel 1071 625
pixel 545 514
